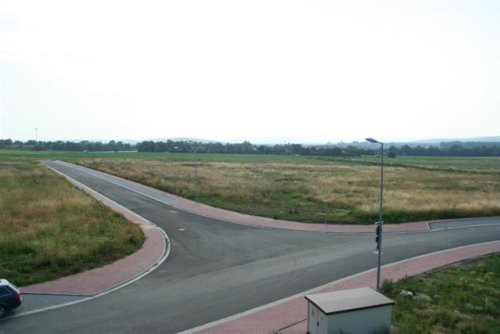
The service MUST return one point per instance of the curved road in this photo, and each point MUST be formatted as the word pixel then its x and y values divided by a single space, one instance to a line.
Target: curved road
pixel 217 269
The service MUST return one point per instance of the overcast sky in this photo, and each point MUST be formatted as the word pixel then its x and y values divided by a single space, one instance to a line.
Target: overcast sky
pixel 294 71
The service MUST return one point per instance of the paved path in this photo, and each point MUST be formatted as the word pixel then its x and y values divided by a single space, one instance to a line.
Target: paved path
pixel 153 252
pixel 217 269
pixel 244 219
pixel 79 287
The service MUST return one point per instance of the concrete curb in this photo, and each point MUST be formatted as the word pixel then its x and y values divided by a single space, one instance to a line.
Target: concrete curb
pixel 155 250
pixel 265 222
pixel 288 315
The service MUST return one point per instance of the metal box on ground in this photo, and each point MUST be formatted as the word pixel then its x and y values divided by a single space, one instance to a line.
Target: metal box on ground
pixel 353 311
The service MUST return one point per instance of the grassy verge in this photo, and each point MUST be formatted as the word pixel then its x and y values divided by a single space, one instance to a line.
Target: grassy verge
pixel 49 229
pixel 463 298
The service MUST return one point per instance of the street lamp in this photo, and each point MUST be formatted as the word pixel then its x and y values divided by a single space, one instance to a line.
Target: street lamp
pixel 197 179
pixel 380 221
pixel 195 148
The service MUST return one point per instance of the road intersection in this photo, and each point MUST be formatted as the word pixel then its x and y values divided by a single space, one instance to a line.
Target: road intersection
pixel 217 269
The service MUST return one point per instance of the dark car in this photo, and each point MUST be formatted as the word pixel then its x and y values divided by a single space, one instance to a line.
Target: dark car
pixel 10 297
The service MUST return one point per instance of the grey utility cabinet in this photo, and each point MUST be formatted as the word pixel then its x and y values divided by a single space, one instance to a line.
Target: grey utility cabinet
pixel 352 311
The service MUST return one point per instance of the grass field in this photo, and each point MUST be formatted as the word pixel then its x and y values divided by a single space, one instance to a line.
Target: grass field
pixel 314 189
pixel 49 229
pixel 308 189
pixel 450 164
pixel 462 298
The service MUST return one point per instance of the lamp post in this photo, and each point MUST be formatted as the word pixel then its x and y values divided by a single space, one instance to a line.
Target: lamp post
pixel 197 180
pixel 380 221
pixel 195 149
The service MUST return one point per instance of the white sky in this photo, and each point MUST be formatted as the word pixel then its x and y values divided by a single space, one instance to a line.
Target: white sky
pixel 295 71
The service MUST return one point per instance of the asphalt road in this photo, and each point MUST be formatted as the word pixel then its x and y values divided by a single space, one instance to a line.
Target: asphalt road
pixel 463 223
pixel 217 269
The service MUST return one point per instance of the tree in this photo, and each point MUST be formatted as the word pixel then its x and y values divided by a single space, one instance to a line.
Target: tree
pixel 391 152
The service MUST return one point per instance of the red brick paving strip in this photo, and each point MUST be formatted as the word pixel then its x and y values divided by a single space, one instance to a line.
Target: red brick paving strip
pixel 104 278
pixel 240 218
pixel 290 316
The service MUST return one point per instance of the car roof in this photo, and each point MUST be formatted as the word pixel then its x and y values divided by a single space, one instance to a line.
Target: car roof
pixel 4 282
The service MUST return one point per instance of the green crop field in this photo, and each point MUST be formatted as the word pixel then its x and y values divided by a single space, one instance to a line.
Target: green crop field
pixel 313 189
pixel 50 229
pixel 472 164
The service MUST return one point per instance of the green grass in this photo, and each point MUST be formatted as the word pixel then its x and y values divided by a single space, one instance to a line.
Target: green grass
pixel 483 164
pixel 462 298
pixel 450 164
pixel 310 188
pixel 49 229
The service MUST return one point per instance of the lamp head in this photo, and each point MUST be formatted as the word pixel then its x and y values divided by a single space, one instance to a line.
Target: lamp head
pixel 371 140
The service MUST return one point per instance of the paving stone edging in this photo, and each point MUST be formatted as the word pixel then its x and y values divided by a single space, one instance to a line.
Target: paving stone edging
pixel 154 251
pixel 289 316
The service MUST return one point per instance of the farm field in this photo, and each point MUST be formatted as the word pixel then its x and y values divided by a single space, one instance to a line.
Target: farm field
pixel 313 189
pixel 51 229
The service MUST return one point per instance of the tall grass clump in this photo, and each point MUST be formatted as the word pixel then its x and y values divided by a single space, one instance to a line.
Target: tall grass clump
pixel 50 229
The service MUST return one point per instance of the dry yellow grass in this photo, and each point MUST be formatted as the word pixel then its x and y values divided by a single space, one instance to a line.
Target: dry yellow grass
pixel 301 191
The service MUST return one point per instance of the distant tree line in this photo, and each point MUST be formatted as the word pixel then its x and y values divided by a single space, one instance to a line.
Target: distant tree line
pixel 472 149
pixel 444 149
pixel 249 148
pixel 85 145
pixel 453 149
